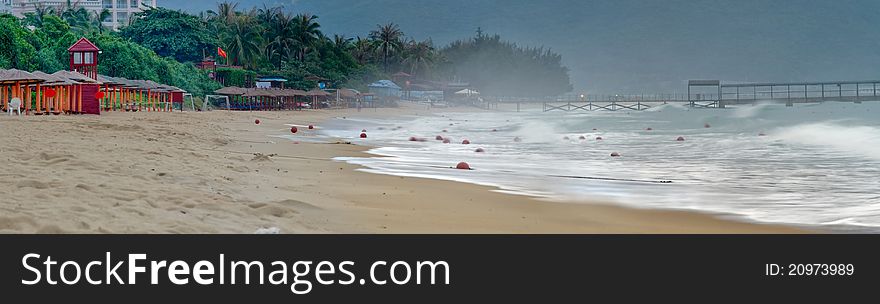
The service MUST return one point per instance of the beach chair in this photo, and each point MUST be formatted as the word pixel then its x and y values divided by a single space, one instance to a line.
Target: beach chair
pixel 14 105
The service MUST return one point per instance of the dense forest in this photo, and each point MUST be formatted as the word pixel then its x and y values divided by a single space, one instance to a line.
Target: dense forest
pixel 161 45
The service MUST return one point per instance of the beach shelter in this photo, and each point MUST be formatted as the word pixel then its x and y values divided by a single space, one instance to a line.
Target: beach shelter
pixel 82 94
pixel 315 94
pixel 15 83
pixel 51 97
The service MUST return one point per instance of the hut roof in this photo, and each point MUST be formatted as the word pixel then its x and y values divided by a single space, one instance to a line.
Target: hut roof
pixel 108 80
pixel 263 93
pixel 83 45
pixel 75 76
pixel 292 92
pixel 19 76
pixel 385 84
pixel 316 92
pixel 348 93
pixel 52 80
pixel 230 91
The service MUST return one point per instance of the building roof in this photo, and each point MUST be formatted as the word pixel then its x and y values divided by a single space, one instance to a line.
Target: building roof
pixel 19 76
pixel 83 45
pixel 388 84
pixel 272 79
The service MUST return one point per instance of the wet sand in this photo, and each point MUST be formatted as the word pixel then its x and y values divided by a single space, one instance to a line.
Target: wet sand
pixel 219 172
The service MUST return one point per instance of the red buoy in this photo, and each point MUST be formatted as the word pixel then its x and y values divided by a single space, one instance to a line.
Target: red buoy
pixel 257 121
pixel 463 166
pixel 479 150
pixel 706 125
pixel 762 134
pixel 311 127
pixel 615 154
pixel 363 135
pixel 444 130
pixel 293 129
pixel 582 137
pixel 494 130
pixel 465 142
pixel 364 130
pixel 446 141
pixel 598 137
pixel 413 138
pixel 594 129
pixel 438 137
pixel 680 138
pixel 565 138
pixel 649 129
pixel 517 139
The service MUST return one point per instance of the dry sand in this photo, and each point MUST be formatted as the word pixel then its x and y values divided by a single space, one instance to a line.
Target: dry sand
pixel 218 172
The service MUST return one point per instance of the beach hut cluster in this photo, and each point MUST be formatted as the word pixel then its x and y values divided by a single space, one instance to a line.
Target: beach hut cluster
pixel 74 93
pixel 255 99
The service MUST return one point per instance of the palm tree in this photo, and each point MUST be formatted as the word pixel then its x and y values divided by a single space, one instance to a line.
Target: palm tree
pixel 342 43
pixel 242 40
pixel 419 55
pixel 98 18
pixel 225 12
pixel 361 50
pixel 306 33
pixel 280 40
pixel 387 38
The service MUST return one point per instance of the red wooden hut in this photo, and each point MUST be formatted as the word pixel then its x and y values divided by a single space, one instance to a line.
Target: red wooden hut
pixel 84 59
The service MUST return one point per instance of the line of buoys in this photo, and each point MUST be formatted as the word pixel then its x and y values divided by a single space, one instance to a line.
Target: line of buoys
pixel 463 166
pixel 465 142
pixel 257 121
pixel 479 150
pixel 680 138
pixel 615 154
pixel 293 130
pixel 363 135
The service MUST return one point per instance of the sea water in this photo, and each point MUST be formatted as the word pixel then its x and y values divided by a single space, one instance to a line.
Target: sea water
pixel 810 164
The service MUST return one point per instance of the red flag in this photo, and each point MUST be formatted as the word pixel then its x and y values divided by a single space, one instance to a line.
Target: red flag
pixel 221 52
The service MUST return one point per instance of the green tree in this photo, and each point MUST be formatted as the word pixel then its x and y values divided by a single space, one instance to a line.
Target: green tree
pixel 171 34
pixel 387 40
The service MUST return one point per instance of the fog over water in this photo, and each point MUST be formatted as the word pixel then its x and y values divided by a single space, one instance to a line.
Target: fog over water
pixel 628 46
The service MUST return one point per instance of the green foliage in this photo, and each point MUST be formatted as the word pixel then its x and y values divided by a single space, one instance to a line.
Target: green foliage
pixel 502 68
pixel 16 52
pixel 236 77
pixel 171 34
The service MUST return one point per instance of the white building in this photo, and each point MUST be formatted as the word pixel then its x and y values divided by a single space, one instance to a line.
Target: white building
pixel 5 6
pixel 120 10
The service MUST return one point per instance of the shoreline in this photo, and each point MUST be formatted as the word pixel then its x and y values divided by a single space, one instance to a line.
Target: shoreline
pixel 218 172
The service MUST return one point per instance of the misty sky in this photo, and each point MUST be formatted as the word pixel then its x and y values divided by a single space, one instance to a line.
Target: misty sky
pixel 627 46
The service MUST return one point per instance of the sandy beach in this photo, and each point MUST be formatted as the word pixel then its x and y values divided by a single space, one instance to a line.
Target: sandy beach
pixel 218 172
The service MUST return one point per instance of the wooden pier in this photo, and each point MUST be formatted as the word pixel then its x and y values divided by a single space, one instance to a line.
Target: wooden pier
pixel 714 94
